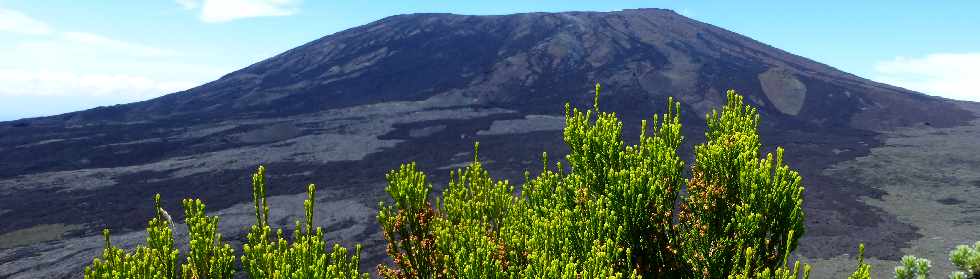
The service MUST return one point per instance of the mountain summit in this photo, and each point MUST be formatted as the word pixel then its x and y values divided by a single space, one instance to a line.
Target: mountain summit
pixel 342 110
pixel 535 60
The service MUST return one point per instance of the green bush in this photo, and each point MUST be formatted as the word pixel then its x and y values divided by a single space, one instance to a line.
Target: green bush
pixel 967 259
pixel 210 258
pixel 863 270
pixel 156 259
pixel 306 257
pixel 964 257
pixel 618 212
pixel 207 256
pixel 614 211
pixel 913 268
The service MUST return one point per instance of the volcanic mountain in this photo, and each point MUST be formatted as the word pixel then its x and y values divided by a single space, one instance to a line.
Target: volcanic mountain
pixel 882 165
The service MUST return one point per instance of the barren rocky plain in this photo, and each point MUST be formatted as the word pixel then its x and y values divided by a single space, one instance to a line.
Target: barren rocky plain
pixel 888 167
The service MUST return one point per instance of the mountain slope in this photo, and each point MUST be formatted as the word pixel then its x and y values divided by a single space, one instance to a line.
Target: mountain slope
pixel 341 110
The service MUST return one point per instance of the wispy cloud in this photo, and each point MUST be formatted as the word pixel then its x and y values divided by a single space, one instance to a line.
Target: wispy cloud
pixel 115 45
pixel 189 4
pixel 74 65
pixel 213 11
pixel 950 75
pixel 17 22
pixel 19 82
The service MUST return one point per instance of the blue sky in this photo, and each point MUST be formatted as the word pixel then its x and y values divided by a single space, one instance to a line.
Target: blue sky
pixel 61 56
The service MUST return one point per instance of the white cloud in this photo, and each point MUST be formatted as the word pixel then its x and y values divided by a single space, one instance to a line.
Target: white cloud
pixel 228 10
pixel 189 4
pixel 17 22
pixel 65 64
pixel 100 41
pixel 44 83
pixel 950 75
pixel 57 71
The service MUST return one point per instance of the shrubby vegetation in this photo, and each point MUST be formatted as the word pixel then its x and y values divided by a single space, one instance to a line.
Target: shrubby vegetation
pixel 614 211
pixel 264 256
pixel 964 257
pixel 967 259
pixel 863 269
pixel 271 257
pixel 157 259
pixel 913 268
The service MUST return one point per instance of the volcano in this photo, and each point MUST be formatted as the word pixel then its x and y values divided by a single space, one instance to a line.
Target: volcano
pixel 879 162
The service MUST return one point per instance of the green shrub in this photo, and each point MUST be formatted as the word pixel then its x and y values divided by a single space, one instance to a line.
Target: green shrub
pixel 407 227
pixel 614 214
pixel 967 259
pixel 964 257
pixel 913 267
pixel 738 200
pixel 156 259
pixel 210 258
pixel 207 256
pixel 306 257
pixel 782 272
pixel 614 211
pixel 863 270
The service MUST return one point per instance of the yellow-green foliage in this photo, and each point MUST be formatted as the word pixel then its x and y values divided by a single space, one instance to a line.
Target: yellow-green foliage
pixel 210 258
pixel 207 256
pixel 306 257
pixel 964 257
pixel 408 228
pixel 157 259
pixel 863 270
pixel 614 211
pixel 738 200
pixel 913 268
pixel 614 214
pixel 782 272
pixel 967 259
